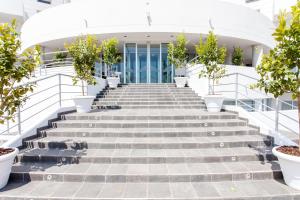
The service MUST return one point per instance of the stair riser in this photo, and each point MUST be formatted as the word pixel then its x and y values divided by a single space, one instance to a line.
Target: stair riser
pixel 202 117
pixel 146 125
pixel 152 134
pixel 150 107
pixel 113 103
pixel 85 145
pixel 107 99
pixel 144 160
pixel 143 178
pixel 162 95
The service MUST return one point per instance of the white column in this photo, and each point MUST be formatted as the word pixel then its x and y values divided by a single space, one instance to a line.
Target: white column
pixel 257 54
pixel 228 58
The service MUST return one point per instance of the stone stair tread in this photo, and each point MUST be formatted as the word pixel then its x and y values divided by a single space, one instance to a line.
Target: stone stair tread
pixel 250 190
pixel 153 153
pixel 151 140
pixel 174 112
pixel 153 130
pixel 152 121
pixel 147 169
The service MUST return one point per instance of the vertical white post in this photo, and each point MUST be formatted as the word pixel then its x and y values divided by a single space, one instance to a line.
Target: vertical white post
pixel 19 120
pixel 59 89
pixel 7 124
pixel 137 71
pixel 124 63
pixel 236 88
pixel 276 115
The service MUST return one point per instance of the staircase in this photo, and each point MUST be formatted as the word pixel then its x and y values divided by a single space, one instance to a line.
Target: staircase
pixel 151 141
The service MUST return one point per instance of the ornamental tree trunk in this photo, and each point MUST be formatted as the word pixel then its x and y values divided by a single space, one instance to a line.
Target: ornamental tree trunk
pixel 82 87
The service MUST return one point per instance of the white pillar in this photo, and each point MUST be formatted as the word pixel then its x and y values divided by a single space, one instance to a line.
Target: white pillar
pixel 257 54
pixel 228 58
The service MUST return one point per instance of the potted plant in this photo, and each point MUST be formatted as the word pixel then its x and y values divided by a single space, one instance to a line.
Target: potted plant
pixel 177 57
pixel 212 57
pixel 111 56
pixel 14 68
pixel 60 56
pixel 85 52
pixel 280 73
pixel 237 56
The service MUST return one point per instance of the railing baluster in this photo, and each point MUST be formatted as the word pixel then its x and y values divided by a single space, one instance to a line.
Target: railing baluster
pixel 59 89
pixel 236 88
pixel 276 115
pixel 7 126
pixel 19 121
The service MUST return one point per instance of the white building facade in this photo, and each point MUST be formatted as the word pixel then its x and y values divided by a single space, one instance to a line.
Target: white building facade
pixel 144 28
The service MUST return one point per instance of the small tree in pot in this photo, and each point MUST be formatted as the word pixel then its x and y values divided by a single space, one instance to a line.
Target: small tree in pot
pixel 177 56
pixel 111 56
pixel 14 68
pixel 237 56
pixel 280 73
pixel 211 56
pixel 85 52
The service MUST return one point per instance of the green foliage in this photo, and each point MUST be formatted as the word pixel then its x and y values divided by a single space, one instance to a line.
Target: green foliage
pixel 85 52
pixel 177 52
pixel 237 56
pixel 111 53
pixel 279 70
pixel 61 56
pixel 211 56
pixel 14 67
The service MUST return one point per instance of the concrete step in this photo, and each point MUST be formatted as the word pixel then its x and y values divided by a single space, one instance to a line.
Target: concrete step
pixel 149 93
pixel 121 173
pixel 144 156
pixel 149 143
pixel 151 132
pixel 227 190
pixel 148 123
pixel 149 115
pixel 195 99
pixel 121 103
pixel 163 95
pixel 200 107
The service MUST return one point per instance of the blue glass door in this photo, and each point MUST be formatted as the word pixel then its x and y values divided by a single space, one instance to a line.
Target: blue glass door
pixel 142 63
pixel 154 63
pixel 166 67
pixel 130 63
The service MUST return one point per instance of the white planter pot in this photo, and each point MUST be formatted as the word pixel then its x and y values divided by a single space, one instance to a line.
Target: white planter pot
pixel 6 162
pixel 113 82
pixel 214 102
pixel 83 103
pixel 290 166
pixel 180 81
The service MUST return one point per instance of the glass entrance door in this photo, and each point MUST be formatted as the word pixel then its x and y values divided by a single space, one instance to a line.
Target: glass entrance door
pixel 154 63
pixel 142 63
pixel 147 63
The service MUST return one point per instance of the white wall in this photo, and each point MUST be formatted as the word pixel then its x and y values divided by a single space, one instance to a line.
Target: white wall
pixel 193 17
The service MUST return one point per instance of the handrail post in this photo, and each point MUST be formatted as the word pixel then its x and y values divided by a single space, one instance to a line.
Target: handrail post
pixel 236 88
pixel 8 131
pixel 276 115
pixel 19 121
pixel 59 89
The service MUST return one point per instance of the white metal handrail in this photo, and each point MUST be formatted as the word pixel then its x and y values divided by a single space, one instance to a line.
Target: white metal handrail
pixel 45 98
